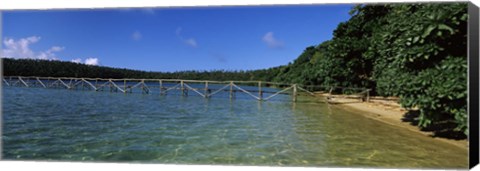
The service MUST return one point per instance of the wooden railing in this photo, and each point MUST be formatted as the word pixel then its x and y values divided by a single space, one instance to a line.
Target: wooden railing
pixel 127 85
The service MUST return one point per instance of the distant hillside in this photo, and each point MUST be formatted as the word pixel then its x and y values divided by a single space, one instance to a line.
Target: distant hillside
pixel 52 68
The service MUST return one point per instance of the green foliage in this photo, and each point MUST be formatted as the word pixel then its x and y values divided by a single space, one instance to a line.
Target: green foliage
pixel 421 57
pixel 413 51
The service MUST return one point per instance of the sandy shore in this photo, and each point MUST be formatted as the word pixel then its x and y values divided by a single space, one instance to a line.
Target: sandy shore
pixel 388 112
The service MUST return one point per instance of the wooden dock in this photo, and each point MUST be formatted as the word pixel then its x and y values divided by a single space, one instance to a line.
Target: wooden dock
pixel 205 88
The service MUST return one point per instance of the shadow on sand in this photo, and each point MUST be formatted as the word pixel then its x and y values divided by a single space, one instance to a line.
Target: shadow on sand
pixel 443 129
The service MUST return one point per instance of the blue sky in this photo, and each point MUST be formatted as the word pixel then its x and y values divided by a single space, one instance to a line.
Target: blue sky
pixel 171 39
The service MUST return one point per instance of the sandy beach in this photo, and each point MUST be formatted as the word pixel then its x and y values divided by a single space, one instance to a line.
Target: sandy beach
pixel 388 112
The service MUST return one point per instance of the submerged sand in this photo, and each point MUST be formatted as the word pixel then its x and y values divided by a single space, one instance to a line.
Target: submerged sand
pixel 387 111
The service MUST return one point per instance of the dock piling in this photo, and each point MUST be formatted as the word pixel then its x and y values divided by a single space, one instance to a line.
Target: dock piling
pixel 206 89
pixel 260 94
pixel 231 89
pixel 294 92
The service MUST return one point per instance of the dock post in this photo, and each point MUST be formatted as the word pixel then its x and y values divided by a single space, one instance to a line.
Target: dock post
pixel 111 90
pixel 294 92
pixel 260 94
pixel 182 88
pixel 125 86
pixel 143 88
pixel 160 86
pixel 206 89
pixel 231 89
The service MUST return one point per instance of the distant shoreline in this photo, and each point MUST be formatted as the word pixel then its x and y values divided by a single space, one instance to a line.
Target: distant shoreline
pixel 387 112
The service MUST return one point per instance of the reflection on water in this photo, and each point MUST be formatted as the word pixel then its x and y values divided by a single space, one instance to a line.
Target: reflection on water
pixel 44 124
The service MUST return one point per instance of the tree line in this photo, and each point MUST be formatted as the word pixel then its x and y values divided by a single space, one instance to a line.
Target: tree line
pixel 417 52
pixel 55 68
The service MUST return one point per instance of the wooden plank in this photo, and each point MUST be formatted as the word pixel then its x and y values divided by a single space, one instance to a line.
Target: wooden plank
pixel 273 95
pixel 215 92
pixel 41 83
pixel 51 84
pixel 194 90
pixel 6 82
pixel 15 83
pixel 63 83
pixel 73 86
pixel 134 86
pixel 116 86
pixel 245 91
pixel 21 80
pixel 91 85
pixel 171 88
pixel 101 86
pixel 306 91
pixel 70 82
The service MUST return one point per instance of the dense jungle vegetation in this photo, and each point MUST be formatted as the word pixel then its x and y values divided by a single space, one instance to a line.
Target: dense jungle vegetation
pixel 417 52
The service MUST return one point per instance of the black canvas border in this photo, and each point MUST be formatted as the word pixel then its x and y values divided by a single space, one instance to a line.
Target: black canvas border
pixel 473 93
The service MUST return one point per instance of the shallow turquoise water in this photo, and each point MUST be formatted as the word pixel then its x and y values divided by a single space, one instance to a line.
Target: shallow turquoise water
pixel 56 124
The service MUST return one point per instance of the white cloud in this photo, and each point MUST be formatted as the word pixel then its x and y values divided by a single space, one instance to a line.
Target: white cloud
pixel 77 60
pixel 56 49
pixel 21 49
pixel 88 61
pixel 50 53
pixel 136 36
pixel 92 61
pixel 271 41
pixel 190 41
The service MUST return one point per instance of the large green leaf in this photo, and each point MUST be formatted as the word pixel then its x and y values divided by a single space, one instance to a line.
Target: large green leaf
pixel 428 31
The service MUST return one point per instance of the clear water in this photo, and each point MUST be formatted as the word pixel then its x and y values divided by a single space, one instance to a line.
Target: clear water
pixel 54 124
